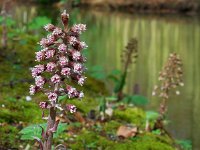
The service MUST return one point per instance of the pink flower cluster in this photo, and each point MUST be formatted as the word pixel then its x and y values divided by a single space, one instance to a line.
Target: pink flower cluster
pixel 71 108
pixel 60 59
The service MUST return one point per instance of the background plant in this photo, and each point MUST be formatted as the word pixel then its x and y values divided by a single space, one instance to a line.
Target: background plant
pixel 170 79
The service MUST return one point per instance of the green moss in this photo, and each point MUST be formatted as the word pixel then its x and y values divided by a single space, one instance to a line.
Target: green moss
pixel 111 126
pixel 19 110
pixel 84 139
pixel 89 139
pixel 84 105
pixel 95 86
pixel 150 141
pixel 9 136
pixel 130 115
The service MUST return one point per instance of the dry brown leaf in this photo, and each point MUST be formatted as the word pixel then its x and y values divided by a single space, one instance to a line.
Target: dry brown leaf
pixel 126 132
pixel 79 117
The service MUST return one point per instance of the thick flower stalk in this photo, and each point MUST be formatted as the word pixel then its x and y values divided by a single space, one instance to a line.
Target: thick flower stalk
pixel 60 62
pixel 170 79
pixel 129 56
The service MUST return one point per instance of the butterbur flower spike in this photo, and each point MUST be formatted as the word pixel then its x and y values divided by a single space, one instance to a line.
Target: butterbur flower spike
pixel 170 79
pixel 60 59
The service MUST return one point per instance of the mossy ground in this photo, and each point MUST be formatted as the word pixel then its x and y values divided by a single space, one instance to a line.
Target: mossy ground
pixel 17 113
pixel 100 135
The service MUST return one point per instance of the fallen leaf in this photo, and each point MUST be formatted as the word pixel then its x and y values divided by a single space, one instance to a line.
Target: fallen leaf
pixel 79 117
pixel 126 132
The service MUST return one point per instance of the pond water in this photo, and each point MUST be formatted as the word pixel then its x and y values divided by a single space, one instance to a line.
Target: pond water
pixel 158 36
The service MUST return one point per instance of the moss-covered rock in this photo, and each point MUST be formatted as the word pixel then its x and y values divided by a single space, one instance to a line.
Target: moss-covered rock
pixel 9 136
pixel 133 115
pixel 111 126
pixel 19 111
pixel 90 140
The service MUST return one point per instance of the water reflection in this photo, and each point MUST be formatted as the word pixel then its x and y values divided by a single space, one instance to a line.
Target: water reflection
pixel 107 35
pixel 157 36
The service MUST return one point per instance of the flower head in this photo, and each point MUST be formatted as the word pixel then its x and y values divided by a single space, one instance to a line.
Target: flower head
pixel 62 48
pixel 50 53
pixel 66 71
pixel 52 96
pixel 43 105
pixel 71 108
pixel 83 45
pixel 72 40
pixel 65 17
pixel 61 59
pixel 77 68
pixel 81 80
pixel 51 39
pixel 33 89
pixel 72 92
pixel 80 95
pixel 49 27
pixel 39 81
pixel 50 66
pixel 78 28
pixel 44 42
pixel 76 55
pixel 38 69
pixel 40 55
pixel 55 79
pixel 57 31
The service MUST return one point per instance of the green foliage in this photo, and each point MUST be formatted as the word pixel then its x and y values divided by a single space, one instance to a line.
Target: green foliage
pixel 38 22
pixel 102 105
pixel 157 132
pixel 60 98
pixel 11 99
pixel 98 128
pixel 35 130
pixel 46 1
pixel 114 75
pixel 75 2
pixel 138 100
pixel 9 21
pixel 152 115
pixel 75 124
pixel 185 144
pixel 97 72
pixel 91 145
pixel 111 98
pixel 119 84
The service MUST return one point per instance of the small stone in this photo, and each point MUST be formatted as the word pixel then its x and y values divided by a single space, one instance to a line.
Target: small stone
pixel 109 112
pixel 177 92
pixel 28 98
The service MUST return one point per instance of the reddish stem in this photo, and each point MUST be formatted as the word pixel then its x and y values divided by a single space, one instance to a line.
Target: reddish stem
pixel 50 124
